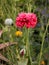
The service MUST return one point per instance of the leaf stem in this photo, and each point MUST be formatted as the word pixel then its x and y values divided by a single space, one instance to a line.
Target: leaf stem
pixel 42 43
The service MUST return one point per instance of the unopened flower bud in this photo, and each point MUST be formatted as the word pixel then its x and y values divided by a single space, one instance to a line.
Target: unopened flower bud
pixel 8 21
pixel 22 52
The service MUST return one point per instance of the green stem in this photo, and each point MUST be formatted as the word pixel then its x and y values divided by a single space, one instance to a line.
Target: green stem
pixel 29 7
pixel 28 46
pixel 43 43
pixel 27 38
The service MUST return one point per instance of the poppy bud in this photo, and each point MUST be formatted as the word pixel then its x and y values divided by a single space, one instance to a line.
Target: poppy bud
pixel 22 52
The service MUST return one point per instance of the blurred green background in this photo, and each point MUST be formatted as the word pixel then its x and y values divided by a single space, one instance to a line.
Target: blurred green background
pixel 11 8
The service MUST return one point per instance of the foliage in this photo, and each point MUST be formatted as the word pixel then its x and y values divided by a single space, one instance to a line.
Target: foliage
pixel 38 37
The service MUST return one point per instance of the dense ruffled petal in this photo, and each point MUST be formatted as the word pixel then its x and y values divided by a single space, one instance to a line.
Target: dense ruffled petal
pixel 26 19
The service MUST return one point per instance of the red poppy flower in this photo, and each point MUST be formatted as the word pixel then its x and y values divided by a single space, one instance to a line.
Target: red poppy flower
pixel 28 20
